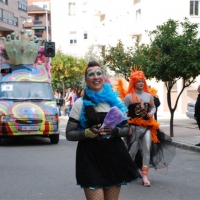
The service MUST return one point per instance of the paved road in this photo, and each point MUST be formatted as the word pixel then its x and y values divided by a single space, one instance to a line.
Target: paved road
pixel 34 169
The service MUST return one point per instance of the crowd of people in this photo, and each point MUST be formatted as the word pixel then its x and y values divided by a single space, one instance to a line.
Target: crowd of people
pixel 66 102
pixel 118 139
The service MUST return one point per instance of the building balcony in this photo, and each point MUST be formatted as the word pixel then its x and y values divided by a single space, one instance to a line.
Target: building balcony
pixel 36 23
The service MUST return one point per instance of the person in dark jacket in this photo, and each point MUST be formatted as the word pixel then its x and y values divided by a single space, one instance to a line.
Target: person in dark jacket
pixel 157 104
pixel 156 100
pixel 197 110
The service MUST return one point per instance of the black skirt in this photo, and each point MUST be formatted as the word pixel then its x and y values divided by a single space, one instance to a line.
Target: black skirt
pixel 161 153
pixel 102 163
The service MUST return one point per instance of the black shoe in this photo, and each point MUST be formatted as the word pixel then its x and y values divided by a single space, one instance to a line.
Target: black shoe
pixel 197 144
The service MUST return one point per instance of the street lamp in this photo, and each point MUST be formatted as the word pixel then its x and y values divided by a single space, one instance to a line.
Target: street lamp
pixel 47 29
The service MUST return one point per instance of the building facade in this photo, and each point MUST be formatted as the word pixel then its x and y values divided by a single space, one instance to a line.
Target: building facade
pixel 86 23
pixel 39 19
pixel 12 16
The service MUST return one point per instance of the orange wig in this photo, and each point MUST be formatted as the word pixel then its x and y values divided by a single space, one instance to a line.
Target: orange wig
pixel 134 78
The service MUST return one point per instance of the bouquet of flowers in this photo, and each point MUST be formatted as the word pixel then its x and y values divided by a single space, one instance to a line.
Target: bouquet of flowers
pixel 113 117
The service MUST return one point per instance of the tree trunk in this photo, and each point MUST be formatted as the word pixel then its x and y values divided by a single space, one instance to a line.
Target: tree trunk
pixel 172 123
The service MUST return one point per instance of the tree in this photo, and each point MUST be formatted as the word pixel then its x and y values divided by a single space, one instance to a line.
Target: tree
pixel 173 54
pixel 67 70
pixel 119 59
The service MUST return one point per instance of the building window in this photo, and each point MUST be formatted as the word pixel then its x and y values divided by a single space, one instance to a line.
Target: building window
pixel 1 14
pixel 22 5
pixel 72 36
pixel 85 36
pixel 194 8
pixel 73 41
pixel 71 8
pixel 4 1
pixel 84 7
pixel 138 16
pixel 39 33
pixel 9 18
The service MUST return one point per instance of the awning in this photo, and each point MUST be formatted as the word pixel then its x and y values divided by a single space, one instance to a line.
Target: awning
pixel 38 27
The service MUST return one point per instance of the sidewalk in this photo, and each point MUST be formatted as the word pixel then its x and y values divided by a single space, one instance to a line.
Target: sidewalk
pixel 185 136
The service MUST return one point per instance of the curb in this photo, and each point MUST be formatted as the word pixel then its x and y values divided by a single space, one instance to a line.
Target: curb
pixel 186 146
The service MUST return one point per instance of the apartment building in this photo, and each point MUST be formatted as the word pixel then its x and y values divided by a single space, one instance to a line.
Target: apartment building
pixel 39 19
pixel 76 25
pixel 87 23
pixel 12 16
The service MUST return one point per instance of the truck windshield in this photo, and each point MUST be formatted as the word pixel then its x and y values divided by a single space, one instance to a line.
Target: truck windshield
pixel 26 90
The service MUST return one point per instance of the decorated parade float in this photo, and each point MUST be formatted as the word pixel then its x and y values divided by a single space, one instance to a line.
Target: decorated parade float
pixel 27 104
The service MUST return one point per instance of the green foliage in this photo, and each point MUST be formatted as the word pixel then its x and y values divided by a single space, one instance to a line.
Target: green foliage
pixel 119 59
pixel 171 55
pixel 67 70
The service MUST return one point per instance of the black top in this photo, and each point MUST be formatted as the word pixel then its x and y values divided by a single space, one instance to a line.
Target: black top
pixel 139 110
pixel 197 108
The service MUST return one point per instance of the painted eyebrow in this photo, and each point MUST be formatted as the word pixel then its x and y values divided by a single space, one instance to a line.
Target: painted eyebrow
pixel 94 70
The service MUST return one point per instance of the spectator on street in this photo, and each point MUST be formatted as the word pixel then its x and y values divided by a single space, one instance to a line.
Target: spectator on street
pixel 67 102
pixel 70 101
pixel 156 100
pixel 197 110
pixel 60 101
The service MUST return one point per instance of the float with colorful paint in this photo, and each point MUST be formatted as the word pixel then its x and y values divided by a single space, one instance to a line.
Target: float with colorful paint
pixel 27 104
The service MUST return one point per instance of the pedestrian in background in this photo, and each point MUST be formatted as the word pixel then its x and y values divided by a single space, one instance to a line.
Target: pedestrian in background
pixel 60 101
pixel 75 97
pixel 67 100
pixel 197 110
pixel 156 99
pixel 70 101
pixel 103 163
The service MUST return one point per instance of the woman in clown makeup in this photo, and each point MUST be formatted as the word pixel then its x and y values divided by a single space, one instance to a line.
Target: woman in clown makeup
pixel 103 163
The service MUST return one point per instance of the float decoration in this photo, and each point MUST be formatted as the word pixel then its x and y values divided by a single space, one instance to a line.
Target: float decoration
pixel 23 50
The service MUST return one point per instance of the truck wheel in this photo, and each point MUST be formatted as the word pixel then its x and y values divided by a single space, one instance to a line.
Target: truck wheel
pixel 54 138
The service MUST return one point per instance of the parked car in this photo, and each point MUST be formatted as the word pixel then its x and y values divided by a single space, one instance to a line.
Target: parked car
pixel 190 110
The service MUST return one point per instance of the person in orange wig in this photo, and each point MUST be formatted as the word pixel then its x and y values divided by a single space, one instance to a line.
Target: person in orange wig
pixel 146 143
